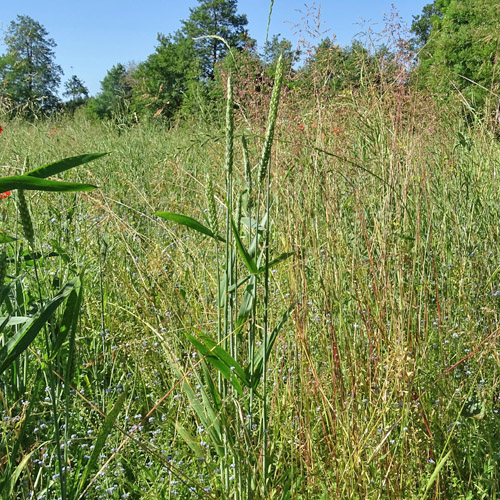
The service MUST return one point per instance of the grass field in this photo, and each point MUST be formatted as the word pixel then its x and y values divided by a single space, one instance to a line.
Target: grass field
pixel 382 380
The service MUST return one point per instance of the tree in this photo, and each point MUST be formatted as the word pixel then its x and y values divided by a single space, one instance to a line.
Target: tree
pixel 335 68
pixel 422 25
pixel 215 18
pixel 462 49
pixel 77 93
pixel 115 95
pixel 274 48
pixel 75 89
pixel 164 79
pixel 28 72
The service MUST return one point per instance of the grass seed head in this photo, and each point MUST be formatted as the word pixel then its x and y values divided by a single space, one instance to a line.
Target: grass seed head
pixel 24 213
pixel 212 210
pixel 271 124
pixel 229 127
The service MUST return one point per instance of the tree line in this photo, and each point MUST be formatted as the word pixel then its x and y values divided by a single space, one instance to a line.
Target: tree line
pixel 454 48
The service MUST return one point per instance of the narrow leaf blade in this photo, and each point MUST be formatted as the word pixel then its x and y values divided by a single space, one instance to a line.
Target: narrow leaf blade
pixel 59 166
pixel 21 340
pixel 188 222
pixel 248 261
pixel 102 437
pixel 35 184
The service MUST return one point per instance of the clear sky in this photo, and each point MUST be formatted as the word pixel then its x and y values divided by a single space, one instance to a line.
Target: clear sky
pixel 94 35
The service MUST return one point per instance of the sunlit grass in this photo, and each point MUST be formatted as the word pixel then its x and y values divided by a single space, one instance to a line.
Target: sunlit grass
pixel 393 222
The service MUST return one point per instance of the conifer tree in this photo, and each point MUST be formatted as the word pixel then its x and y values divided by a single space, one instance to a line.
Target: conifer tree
pixel 28 73
pixel 216 20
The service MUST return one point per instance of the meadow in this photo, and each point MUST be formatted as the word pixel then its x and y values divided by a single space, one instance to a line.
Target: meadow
pixel 332 335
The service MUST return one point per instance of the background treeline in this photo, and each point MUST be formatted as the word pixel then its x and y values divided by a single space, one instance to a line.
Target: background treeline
pixel 453 49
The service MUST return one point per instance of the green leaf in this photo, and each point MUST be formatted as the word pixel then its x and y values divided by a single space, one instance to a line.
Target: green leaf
pixel 259 355
pixel 220 359
pixel 221 291
pixel 14 320
pixel 5 238
pixel 248 261
pixel 209 417
pixel 11 470
pixel 69 318
pixel 247 304
pixel 102 438
pixel 12 478
pixel 60 166
pixel 21 340
pixel 189 222
pixel 242 281
pixel 252 224
pixel 276 261
pixel 189 440
pixel 435 474
pixel 211 389
pixel 213 360
pixel 224 356
pixel 33 183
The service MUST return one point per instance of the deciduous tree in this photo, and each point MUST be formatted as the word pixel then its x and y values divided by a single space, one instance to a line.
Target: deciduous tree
pixel 115 95
pixel 462 49
pixel 164 79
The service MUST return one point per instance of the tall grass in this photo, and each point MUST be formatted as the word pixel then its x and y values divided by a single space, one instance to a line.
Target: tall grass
pixel 382 382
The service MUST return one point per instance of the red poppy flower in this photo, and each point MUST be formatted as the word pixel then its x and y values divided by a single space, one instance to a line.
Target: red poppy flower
pixel 1 129
pixel 4 195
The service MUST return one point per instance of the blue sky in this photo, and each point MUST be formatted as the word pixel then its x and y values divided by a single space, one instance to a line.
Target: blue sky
pixel 92 35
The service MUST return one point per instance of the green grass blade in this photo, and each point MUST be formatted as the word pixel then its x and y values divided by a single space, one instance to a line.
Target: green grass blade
pixel 207 414
pixel 101 440
pixel 276 261
pixel 34 184
pixel 435 474
pixel 259 355
pixel 247 304
pixel 208 417
pixel 247 260
pixel 188 222
pixel 8 481
pixel 14 320
pixel 5 238
pixel 221 360
pixel 224 356
pixel 189 440
pixel 12 478
pixel 211 388
pixel 61 165
pixel 69 317
pixel 21 340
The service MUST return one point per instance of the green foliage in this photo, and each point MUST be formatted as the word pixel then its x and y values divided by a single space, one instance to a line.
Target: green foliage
pixel 335 68
pixel 223 354
pixel 165 79
pixel 115 95
pixel 28 313
pixel 277 47
pixel 77 93
pixel 29 75
pixel 215 18
pixel 422 25
pixel 75 89
pixel 328 328
pixel 461 53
